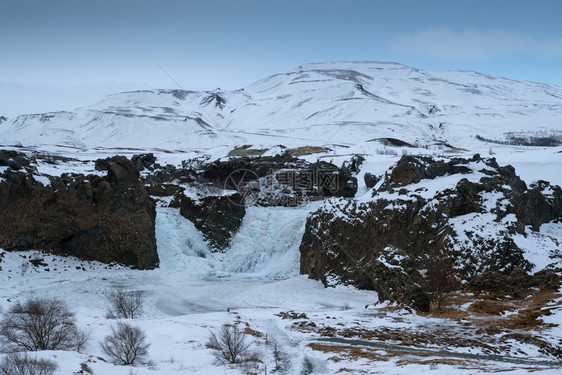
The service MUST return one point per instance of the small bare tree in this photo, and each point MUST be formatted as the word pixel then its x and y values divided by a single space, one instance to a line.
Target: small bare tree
pixel 124 304
pixel 41 324
pixel 23 364
pixel 441 279
pixel 126 344
pixel 229 344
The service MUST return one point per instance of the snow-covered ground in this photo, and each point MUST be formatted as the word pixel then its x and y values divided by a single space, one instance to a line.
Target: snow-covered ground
pixel 195 291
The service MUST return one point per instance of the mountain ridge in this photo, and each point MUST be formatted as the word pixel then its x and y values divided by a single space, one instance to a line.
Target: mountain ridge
pixel 311 104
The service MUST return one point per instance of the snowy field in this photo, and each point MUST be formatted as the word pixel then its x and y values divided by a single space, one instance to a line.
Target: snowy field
pixel 194 292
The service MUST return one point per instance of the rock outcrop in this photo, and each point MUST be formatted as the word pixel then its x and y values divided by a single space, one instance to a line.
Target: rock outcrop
pixel 109 219
pixel 282 180
pixel 217 217
pixel 471 209
pixel 13 159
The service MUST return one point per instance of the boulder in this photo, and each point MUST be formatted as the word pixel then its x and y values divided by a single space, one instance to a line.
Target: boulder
pixel 411 169
pixel 538 205
pixel 144 161
pixel 371 180
pixel 120 170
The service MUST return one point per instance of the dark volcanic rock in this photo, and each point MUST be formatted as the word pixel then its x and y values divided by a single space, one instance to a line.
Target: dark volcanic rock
pixel 281 180
pixel 515 283
pixel 370 247
pixel 109 219
pixel 219 171
pixel 413 169
pixel 144 161
pixel 171 175
pixel 119 168
pixel 163 190
pixel 13 159
pixel 371 180
pixel 217 217
pixel 541 204
pixel 333 181
pixel 383 244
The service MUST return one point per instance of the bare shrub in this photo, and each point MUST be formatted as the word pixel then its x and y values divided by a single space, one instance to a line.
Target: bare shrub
pixel 441 279
pixel 37 260
pixel 51 158
pixel 229 344
pixel 41 324
pixel 84 369
pixel 23 364
pixel 251 364
pixel 386 151
pixel 124 304
pixel 126 344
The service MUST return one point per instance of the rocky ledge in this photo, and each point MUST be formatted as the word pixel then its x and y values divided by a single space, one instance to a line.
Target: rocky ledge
pixel 279 180
pixel 109 218
pixel 429 222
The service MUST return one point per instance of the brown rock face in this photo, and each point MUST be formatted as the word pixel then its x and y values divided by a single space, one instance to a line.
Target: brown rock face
pixel 371 247
pixel 109 219
pixel 413 169
pixel 535 208
pixel 383 244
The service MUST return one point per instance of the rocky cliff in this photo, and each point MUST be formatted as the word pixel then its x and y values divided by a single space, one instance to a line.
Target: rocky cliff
pixel 110 219
pixel 469 211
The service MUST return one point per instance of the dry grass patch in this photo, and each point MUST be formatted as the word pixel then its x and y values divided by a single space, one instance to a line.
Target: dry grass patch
pixel 491 307
pixel 457 362
pixel 246 150
pixel 308 150
pixel 532 309
pixel 350 371
pixel 350 352
pixel 252 332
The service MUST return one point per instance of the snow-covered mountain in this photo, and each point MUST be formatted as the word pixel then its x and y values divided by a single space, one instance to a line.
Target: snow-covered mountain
pixel 314 104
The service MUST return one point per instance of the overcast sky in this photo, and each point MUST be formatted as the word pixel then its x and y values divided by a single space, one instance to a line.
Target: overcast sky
pixel 58 55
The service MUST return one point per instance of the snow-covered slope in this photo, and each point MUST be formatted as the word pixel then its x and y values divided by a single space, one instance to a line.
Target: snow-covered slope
pixel 315 104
